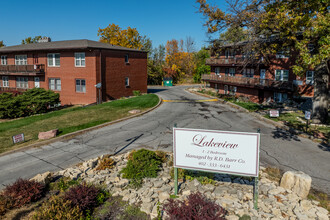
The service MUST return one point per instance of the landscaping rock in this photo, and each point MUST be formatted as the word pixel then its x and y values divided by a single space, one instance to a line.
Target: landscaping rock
pixel 134 111
pixel 298 182
pixel 44 178
pixel 47 134
pixel 163 196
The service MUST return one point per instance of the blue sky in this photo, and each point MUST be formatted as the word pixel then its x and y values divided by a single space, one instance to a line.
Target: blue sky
pixel 73 19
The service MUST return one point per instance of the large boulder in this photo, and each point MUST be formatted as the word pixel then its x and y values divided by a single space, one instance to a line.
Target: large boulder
pixel 44 178
pixel 297 181
pixel 47 134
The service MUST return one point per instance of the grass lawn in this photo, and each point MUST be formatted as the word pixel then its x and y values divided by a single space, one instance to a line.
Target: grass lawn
pixel 70 119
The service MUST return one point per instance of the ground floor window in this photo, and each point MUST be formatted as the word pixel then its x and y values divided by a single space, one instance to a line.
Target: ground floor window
pixel 5 81
pixel 232 90
pixel 127 81
pixel 225 89
pixel 80 85
pixel 217 70
pixel 280 97
pixel 230 71
pixel 22 82
pixel 309 77
pixel 55 84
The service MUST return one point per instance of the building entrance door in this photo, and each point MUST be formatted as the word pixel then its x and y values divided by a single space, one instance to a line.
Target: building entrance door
pixel 36 82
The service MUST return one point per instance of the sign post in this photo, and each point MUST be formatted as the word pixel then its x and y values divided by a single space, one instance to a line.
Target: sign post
pixel 255 188
pixel 175 177
pixel 307 117
pixel 225 152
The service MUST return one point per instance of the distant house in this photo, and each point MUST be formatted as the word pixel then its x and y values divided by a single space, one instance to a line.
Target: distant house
pixel 73 68
pixel 257 80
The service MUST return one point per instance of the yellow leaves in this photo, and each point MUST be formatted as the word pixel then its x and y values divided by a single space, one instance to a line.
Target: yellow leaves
pixel 113 34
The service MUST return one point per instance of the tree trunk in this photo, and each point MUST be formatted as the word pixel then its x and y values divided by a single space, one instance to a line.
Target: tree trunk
pixel 321 93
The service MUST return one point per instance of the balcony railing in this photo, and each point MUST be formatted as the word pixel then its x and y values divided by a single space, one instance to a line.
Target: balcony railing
pixel 232 61
pixel 12 90
pixel 29 70
pixel 250 82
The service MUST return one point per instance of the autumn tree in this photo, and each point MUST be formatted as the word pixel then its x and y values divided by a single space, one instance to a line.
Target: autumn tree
pixel 30 40
pixel 201 68
pixel 292 24
pixel 130 37
pixel 156 62
pixel 2 44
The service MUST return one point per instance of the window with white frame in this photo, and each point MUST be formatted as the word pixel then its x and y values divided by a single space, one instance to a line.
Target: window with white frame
pixel 5 81
pixel 79 59
pixel 280 97
pixel 248 73
pixel 309 77
pixel 229 53
pixel 80 85
pixel 231 71
pixel 126 81
pixel 126 58
pixel 20 59
pixel 281 75
pixel 217 70
pixel 225 89
pixel 53 59
pixel 54 84
pixel 4 60
pixel 22 82
pixel 283 54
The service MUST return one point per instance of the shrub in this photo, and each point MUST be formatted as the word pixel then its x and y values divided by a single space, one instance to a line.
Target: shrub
pixel 83 196
pixel 202 177
pixel 106 163
pixel 143 163
pixel 5 204
pixel 162 155
pixel 136 92
pixel 23 192
pixel 195 207
pixel 58 208
pixel 63 184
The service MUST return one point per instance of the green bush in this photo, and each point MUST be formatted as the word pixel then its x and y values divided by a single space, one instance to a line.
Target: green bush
pixel 136 92
pixel 33 101
pixel 58 208
pixel 63 184
pixel 142 163
pixel 106 163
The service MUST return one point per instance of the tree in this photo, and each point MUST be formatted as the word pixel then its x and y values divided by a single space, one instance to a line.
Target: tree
pixel 30 40
pixel 201 68
pixel 129 37
pixel 292 24
pixel 2 44
pixel 156 60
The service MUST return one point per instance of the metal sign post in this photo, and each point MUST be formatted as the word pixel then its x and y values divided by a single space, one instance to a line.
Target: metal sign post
pixel 175 177
pixel 255 188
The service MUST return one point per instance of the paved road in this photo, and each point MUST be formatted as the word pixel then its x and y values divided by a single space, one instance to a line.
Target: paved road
pixel 154 130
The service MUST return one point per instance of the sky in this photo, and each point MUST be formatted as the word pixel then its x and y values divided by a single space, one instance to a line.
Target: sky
pixel 79 19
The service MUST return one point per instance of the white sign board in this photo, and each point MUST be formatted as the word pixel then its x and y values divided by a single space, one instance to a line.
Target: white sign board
pixel 307 115
pixel 217 151
pixel 18 138
pixel 274 113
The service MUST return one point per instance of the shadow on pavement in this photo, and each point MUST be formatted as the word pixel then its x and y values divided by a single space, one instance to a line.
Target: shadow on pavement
pixel 324 146
pixel 283 134
pixel 131 141
pixel 154 90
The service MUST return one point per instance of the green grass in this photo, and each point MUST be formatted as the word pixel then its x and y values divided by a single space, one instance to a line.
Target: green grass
pixel 250 106
pixel 70 119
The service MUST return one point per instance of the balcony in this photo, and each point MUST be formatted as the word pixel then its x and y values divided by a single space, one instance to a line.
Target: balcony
pixel 250 82
pixel 235 61
pixel 23 70
pixel 12 90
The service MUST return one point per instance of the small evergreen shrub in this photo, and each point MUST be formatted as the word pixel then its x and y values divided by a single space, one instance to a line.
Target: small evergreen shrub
pixel 106 163
pixel 143 163
pixel 23 192
pixel 83 196
pixel 58 208
pixel 5 204
pixel 196 207
pixel 63 184
pixel 136 92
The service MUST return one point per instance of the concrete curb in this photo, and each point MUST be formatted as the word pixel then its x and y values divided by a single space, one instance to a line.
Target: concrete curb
pixel 76 133
pixel 276 124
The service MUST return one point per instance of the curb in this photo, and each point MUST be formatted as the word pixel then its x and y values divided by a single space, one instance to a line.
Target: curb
pixel 76 133
pixel 276 124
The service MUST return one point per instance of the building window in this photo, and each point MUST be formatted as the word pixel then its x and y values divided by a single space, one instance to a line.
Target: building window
pixel 53 59
pixel 55 84
pixel 231 71
pixel 309 77
pixel 22 82
pixel 226 71
pixel 217 70
pixel 80 85
pixel 229 53
pixel 283 54
pixel 280 97
pixel 5 81
pixel 310 48
pixel 4 60
pixel 282 75
pixel 232 90
pixel 248 73
pixel 127 81
pixel 79 59
pixel 225 89
pixel 21 60
pixel 126 58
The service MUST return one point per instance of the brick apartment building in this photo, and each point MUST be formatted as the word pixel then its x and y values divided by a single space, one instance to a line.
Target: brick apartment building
pixel 257 80
pixel 72 68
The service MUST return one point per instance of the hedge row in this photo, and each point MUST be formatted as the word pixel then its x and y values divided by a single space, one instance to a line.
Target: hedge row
pixel 33 101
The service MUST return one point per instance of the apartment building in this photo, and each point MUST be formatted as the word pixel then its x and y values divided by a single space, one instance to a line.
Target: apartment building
pixel 81 71
pixel 257 80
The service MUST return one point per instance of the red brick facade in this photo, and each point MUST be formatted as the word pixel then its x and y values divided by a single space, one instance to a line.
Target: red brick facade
pixel 101 65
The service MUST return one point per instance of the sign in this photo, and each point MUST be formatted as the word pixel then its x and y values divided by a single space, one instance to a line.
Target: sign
pixel 18 138
pixel 307 115
pixel 274 113
pixel 217 151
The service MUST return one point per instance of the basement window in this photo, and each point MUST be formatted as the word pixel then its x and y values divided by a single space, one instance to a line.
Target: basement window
pixel 127 81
